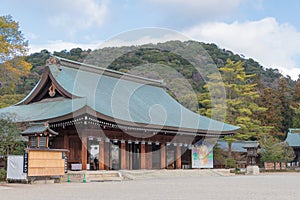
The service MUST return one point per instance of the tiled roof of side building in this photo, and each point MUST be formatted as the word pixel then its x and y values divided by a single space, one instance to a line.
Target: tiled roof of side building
pixel 117 96
pixel 238 146
pixel 293 137
pixel 37 128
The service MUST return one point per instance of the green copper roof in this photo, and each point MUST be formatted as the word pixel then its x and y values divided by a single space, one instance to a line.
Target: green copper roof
pixel 119 97
pixel 38 128
pixel 238 146
pixel 293 137
pixel 43 111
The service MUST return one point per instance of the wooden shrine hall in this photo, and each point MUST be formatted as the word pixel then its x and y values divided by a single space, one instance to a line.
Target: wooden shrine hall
pixel 112 120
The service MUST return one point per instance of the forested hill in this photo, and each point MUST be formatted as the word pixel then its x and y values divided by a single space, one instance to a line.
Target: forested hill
pixel 273 101
pixel 269 77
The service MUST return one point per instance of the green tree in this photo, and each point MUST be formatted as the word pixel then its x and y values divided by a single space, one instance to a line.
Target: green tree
pixel 241 99
pixel 10 99
pixel 13 48
pixel 273 150
pixel 212 102
pixel 10 140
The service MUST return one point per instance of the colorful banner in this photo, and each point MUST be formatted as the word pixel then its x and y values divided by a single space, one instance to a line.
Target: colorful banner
pixel 202 155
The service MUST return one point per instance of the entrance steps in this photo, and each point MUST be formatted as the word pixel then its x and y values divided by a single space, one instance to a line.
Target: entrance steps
pixel 165 173
pixel 92 176
pixel 102 176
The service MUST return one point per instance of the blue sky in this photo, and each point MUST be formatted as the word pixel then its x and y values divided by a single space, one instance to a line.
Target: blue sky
pixel 265 30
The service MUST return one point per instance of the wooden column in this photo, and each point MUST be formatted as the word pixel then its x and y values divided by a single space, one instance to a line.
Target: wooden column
pixel 163 156
pixel 127 156
pixel 66 141
pixel 143 156
pixel 101 155
pixel 149 156
pixel 83 152
pixel 123 155
pixel 106 155
pixel 178 157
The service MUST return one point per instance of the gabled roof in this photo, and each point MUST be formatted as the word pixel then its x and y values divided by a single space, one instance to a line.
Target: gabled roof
pixel 110 95
pixel 238 146
pixel 293 137
pixel 37 128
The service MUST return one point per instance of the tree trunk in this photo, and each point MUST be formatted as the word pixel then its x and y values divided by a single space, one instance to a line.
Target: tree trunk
pixel 280 166
pixel 229 149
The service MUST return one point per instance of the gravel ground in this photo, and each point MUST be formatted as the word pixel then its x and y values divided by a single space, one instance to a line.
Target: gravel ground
pixel 260 187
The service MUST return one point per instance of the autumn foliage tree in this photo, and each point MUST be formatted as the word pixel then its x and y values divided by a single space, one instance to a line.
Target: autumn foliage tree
pixel 13 48
pixel 269 99
pixel 286 111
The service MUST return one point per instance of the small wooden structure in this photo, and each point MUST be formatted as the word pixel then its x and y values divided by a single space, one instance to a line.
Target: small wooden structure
pixel 251 147
pixel 39 160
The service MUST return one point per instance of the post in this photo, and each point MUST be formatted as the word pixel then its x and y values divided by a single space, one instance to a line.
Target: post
pixel 123 155
pixel 101 155
pixel 143 156
pixel 66 143
pixel 163 156
pixel 149 156
pixel 83 151
pixel 178 157
pixel 106 155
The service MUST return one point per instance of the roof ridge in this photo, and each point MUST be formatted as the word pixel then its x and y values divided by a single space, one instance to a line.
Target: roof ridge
pixel 109 72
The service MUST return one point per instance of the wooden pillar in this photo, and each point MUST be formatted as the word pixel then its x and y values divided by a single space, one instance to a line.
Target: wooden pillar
pixel 178 157
pixel 143 156
pixel 149 156
pixel 127 156
pixel 163 156
pixel 66 141
pixel 83 152
pixel 106 155
pixel 66 144
pixel 101 155
pixel 123 155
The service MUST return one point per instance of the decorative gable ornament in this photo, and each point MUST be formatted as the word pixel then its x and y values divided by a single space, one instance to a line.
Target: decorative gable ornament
pixel 52 89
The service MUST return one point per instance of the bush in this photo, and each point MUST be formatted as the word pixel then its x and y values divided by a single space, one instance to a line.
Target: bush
pixel 230 163
pixel 2 174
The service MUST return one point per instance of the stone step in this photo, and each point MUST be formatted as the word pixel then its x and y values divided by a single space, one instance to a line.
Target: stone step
pixel 92 176
pixel 146 174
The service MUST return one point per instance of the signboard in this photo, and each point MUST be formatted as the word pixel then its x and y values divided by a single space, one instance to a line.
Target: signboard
pixel 66 164
pixel 25 163
pixel 202 155
pixel 15 167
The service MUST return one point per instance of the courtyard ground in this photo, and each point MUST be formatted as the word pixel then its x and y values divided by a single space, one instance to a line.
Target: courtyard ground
pixel 264 186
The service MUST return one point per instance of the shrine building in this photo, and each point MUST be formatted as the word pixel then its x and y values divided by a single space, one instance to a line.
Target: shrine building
pixel 112 120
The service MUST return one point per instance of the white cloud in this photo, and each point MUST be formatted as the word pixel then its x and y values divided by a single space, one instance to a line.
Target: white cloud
pixel 78 14
pixel 195 10
pixel 267 41
pixel 144 36
pixel 128 38
pixel 59 45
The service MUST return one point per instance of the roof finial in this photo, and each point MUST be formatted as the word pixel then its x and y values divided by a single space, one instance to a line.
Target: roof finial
pixel 53 61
